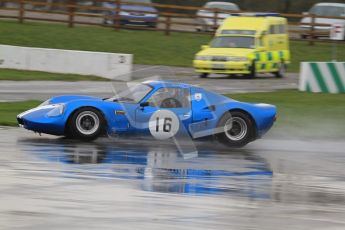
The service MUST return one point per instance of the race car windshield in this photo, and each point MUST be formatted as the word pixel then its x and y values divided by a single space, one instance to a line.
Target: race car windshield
pixel 233 42
pixel 133 94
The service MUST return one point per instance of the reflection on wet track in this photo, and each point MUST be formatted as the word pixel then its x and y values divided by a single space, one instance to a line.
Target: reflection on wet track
pixel 160 169
pixel 54 183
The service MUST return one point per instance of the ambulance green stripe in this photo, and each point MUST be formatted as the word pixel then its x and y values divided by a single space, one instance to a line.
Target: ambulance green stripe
pixel 270 56
pixel 281 55
pixel 257 56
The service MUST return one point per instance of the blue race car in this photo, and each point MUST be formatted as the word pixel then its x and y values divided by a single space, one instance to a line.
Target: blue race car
pixel 132 14
pixel 163 109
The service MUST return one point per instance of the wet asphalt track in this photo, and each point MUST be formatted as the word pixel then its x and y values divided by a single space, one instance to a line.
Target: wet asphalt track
pixel 53 183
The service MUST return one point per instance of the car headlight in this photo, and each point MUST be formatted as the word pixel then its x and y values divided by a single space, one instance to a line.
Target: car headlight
pixel 202 58
pixel 237 59
pixel 151 15
pixel 124 13
pixel 57 110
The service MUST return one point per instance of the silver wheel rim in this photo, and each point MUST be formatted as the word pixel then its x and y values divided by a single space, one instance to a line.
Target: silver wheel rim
pixel 236 128
pixel 87 122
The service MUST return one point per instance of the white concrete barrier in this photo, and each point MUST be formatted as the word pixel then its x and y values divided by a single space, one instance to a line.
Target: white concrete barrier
pixel 109 65
pixel 325 77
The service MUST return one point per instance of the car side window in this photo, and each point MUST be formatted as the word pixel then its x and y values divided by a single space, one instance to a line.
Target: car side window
pixel 170 98
pixel 260 43
pixel 282 29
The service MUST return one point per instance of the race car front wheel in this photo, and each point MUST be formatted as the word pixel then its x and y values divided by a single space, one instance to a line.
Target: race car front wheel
pixel 236 129
pixel 86 124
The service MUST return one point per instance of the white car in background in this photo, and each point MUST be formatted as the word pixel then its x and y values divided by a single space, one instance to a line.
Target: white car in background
pixel 324 10
pixel 207 24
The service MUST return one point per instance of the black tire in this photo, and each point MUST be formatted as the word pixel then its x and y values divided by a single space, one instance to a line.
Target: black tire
pixel 252 73
pixel 203 75
pixel 241 133
pixel 281 71
pixel 86 124
pixel 152 24
pixel 304 36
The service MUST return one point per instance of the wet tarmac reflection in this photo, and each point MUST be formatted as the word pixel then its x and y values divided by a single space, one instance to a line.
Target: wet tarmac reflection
pixel 160 168
pixel 54 183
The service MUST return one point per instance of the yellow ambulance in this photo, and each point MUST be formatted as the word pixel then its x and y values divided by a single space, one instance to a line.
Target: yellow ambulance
pixel 246 45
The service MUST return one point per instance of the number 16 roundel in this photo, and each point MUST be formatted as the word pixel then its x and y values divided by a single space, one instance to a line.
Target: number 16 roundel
pixel 164 124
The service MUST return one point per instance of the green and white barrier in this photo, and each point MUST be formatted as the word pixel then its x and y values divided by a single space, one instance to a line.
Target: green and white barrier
pixel 322 77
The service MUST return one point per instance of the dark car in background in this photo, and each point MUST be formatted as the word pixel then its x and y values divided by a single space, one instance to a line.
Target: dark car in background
pixel 132 14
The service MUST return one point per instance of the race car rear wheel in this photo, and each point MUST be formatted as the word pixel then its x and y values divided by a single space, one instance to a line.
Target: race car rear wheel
pixel 86 124
pixel 237 129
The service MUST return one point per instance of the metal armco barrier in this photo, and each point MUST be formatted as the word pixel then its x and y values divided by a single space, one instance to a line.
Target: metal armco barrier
pixel 322 77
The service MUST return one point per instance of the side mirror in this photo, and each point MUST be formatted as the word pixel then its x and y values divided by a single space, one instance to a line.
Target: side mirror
pixel 203 47
pixel 144 104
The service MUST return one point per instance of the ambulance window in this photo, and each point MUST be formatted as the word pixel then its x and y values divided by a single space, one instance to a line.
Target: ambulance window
pixel 282 29
pixel 272 29
pixel 259 42
pixel 233 42
pixel 276 29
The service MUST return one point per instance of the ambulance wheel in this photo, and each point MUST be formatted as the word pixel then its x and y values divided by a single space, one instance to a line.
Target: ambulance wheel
pixel 203 75
pixel 281 70
pixel 252 70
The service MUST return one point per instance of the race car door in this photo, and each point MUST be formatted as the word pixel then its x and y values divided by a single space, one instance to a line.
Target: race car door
pixel 170 108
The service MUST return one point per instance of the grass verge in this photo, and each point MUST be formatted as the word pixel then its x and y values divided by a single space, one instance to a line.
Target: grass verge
pixel 21 75
pixel 153 48
pixel 301 115
pixel 10 110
